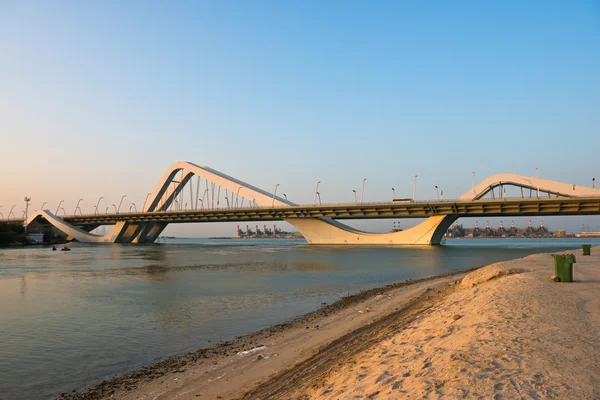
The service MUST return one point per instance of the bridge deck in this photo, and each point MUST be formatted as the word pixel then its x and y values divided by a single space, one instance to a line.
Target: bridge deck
pixel 477 208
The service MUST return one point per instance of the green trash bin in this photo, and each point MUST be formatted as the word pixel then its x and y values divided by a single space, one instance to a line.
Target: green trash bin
pixel 586 249
pixel 563 266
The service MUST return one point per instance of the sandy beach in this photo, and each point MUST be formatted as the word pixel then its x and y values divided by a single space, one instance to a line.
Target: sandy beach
pixel 502 331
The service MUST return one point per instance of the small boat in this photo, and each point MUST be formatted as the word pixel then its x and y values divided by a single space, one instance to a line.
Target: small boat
pixel 65 249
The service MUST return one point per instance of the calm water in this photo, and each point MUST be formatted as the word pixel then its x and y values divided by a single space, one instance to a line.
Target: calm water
pixel 70 319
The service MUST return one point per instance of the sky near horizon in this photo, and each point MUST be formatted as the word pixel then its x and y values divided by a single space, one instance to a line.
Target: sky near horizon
pixel 98 99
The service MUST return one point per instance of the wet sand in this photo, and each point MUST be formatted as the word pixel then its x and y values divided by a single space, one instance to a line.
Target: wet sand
pixel 220 371
pixel 502 331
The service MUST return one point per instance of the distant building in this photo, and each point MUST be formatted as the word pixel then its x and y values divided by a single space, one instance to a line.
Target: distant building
pixel 559 233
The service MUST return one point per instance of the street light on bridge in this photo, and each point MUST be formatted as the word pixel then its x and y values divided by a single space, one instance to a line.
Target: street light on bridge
pixel 145 201
pixel 76 207
pixel 58 208
pixel 206 192
pixel 355 200
pixel 537 182
pixel 116 212
pixel 274 194
pixel 64 212
pixel 394 190
pixel 97 204
pixel 43 204
pixel 414 188
pixel 437 194
pixel 593 182
pixel 362 191
pixel 316 190
pixel 27 201
pixel 319 194
pixel 121 202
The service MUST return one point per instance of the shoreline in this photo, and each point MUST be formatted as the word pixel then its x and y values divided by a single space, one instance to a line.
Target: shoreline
pixel 126 385
pixel 469 333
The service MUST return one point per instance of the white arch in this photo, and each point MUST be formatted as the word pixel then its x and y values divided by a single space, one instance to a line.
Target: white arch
pixel 164 190
pixel 543 185
pixel 77 233
pixel 315 230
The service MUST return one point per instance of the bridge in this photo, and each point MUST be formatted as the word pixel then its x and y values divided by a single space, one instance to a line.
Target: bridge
pixel 223 201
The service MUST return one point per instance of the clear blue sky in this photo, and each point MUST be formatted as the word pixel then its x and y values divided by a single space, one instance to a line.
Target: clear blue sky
pixel 98 99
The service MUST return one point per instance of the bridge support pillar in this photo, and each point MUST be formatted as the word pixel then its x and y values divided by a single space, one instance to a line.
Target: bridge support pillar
pixel 330 232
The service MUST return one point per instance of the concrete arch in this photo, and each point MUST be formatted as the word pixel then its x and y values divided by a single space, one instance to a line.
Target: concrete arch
pixel 315 230
pixel 543 185
pixel 114 236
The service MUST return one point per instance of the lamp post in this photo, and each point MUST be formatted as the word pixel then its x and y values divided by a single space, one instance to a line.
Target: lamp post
pixel 97 204
pixel 355 200
pixel 116 212
pixel 227 200
pixel 43 204
pixel 394 190
pixel 77 206
pixel 441 195
pixel 254 200
pixel 237 195
pixel 285 195
pixel 27 201
pixel 134 207
pixel 437 194
pixel 274 194
pixel 58 208
pixel 319 194
pixel 414 188
pixel 11 211
pixel 121 202
pixel 537 182
pixel 64 212
pixel 593 182
pixel 144 206
pixel 316 190
pixel 106 211
pixel 362 191
pixel 201 204
pixel 205 195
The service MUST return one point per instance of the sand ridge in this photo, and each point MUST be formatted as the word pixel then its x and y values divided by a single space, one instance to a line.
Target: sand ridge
pixel 507 332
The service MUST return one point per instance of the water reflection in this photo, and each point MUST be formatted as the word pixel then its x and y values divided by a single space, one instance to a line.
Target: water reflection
pixel 73 318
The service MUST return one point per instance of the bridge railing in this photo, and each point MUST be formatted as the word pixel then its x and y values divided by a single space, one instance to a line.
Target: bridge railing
pixel 283 206
pixel 353 204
